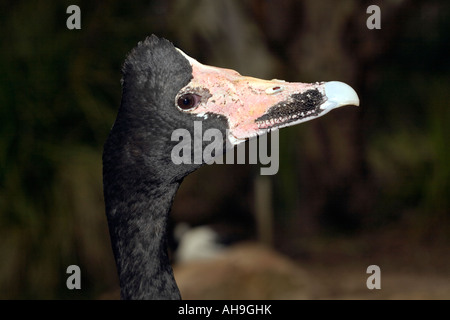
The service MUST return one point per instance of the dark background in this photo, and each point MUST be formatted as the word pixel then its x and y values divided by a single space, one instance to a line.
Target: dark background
pixel 360 186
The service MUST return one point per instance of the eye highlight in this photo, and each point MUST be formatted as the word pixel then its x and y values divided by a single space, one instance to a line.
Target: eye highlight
pixel 188 101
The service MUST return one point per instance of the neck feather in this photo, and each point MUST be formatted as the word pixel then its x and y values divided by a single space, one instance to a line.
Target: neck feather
pixel 138 230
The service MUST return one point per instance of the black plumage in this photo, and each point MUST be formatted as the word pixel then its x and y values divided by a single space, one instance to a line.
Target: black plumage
pixel 163 90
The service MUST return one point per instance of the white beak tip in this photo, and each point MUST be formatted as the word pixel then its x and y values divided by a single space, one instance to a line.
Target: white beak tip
pixel 340 94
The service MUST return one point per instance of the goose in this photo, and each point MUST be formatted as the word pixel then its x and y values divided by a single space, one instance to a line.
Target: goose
pixel 163 90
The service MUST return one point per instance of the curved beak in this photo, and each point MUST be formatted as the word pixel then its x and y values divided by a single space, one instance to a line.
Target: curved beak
pixel 339 94
pixel 253 106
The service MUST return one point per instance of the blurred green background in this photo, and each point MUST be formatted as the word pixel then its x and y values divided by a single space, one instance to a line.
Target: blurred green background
pixel 360 182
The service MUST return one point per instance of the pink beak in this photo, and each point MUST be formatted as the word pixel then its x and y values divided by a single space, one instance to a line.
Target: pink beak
pixel 254 106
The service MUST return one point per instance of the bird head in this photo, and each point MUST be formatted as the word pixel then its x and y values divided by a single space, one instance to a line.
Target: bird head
pixel 164 90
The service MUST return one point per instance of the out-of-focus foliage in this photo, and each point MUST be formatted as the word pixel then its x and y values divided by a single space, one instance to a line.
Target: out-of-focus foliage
pixel 409 153
pixel 386 163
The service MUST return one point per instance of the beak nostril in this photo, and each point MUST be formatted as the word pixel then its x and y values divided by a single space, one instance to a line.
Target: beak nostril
pixel 274 90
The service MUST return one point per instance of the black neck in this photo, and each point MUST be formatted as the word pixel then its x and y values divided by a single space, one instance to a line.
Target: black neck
pixel 138 226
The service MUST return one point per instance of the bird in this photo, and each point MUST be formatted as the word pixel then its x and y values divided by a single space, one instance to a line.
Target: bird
pixel 164 90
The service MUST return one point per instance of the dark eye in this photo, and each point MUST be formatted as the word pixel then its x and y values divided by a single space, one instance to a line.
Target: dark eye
pixel 188 101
